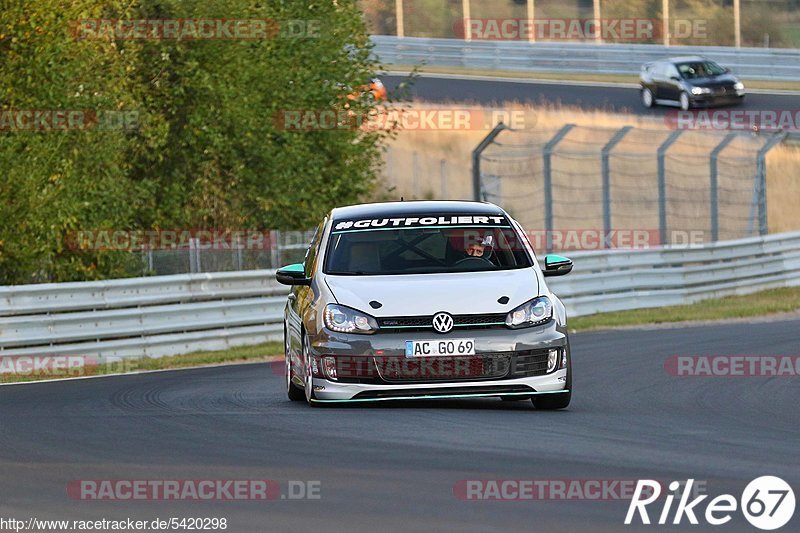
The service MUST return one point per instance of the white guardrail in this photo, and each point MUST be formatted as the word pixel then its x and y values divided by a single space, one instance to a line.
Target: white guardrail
pixel 167 315
pixel 750 63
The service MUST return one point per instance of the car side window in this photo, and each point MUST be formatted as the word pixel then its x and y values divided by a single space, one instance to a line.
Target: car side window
pixel 313 249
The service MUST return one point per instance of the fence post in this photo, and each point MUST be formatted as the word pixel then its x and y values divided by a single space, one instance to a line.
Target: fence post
pixel 548 183
pixel 761 181
pixel 476 160
pixel 238 259
pixel 415 174
pixel 194 255
pixel 715 184
pixel 443 178
pixel 662 185
pixel 275 249
pixel 605 154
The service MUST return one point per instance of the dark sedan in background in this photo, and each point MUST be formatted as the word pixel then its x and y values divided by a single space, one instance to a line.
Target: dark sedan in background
pixel 689 82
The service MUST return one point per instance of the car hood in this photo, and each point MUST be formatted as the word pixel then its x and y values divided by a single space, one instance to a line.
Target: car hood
pixel 724 80
pixel 459 293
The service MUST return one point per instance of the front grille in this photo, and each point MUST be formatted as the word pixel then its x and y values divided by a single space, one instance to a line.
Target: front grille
pixel 425 323
pixel 401 369
pixel 427 369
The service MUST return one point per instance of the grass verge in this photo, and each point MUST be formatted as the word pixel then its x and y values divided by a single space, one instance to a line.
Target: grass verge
pixel 562 76
pixel 757 304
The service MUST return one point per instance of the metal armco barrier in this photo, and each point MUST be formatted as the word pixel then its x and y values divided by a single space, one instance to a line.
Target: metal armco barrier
pixel 167 315
pixel 153 316
pixel 750 63
pixel 604 281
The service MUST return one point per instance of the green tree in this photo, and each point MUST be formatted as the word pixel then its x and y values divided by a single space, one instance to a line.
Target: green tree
pixel 207 151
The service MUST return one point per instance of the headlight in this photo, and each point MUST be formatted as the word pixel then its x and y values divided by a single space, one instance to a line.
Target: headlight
pixel 537 311
pixel 739 86
pixel 701 90
pixel 345 320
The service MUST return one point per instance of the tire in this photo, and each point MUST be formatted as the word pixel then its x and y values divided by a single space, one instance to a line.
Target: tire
pixel 556 400
pixel 684 101
pixel 308 389
pixel 647 98
pixel 295 393
pixel 549 402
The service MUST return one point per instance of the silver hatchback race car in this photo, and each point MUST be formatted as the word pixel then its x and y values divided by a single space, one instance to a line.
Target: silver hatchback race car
pixel 429 299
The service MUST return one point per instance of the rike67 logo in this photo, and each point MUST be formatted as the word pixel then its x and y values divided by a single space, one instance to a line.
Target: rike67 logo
pixel 767 503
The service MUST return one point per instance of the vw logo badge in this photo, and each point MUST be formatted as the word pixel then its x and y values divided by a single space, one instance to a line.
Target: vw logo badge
pixel 442 322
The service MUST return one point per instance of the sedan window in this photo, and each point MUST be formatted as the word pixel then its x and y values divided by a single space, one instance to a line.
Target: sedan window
pixel 700 69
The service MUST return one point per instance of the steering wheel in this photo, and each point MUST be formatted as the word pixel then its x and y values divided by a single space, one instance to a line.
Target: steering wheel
pixel 472 260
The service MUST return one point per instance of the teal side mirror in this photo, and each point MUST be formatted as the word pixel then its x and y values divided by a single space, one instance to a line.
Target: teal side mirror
pixel 292 275
pixel 556 265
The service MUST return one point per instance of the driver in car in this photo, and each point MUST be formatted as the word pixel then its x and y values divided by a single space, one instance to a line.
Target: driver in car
pixel 480 247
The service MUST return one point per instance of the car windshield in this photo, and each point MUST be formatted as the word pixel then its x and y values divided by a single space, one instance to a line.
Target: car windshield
pixel 417 250
pixel 700 69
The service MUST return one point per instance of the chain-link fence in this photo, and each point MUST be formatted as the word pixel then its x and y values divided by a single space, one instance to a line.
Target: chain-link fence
pixel 672 184
pixel 282 248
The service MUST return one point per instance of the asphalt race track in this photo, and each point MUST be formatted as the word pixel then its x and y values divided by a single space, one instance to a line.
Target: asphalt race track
pixel 610 98
pixel 393 466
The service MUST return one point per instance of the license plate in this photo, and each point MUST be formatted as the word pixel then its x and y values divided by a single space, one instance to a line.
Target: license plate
pixel 440 347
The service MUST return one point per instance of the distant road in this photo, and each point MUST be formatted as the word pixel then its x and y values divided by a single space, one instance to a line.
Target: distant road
pixel 439 88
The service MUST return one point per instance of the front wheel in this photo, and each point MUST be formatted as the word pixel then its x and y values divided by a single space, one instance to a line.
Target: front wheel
pixel 647 98
pixel 295 393
pixel 308 374
pixel 549 402
pixel 685 102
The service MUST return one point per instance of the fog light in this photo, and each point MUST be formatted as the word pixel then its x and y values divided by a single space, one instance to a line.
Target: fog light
pixel 329 366
pixel 564 359
pixel 314 367
pixel 552 359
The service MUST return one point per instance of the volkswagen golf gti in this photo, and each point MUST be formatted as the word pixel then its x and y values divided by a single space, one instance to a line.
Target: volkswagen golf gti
pixel 426 299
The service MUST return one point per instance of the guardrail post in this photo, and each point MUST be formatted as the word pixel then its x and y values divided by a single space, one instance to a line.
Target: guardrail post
pixel 760 191
pixel 714 193
pixel 605 154
pixel 662 185
pixel 476 160
pixel 548 182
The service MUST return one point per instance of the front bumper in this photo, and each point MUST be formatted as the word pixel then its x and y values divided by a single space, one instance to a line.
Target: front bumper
pixel 714 100
pixel 510 373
